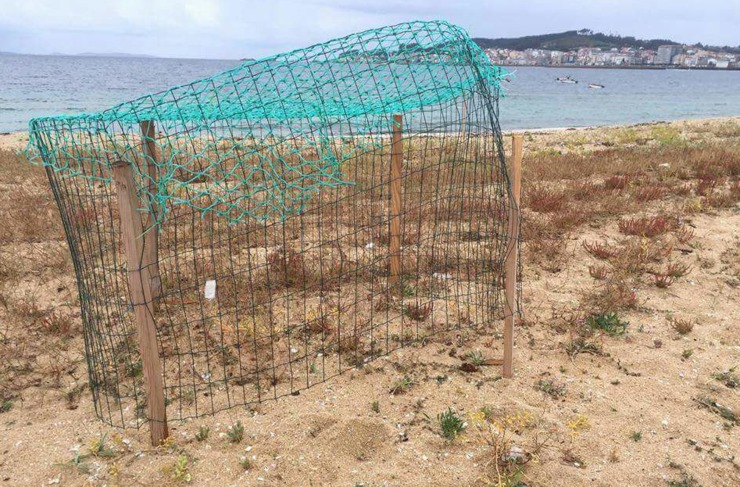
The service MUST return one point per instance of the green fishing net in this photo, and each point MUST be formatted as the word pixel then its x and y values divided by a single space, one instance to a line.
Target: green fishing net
pixel 264 193
pixel 262 135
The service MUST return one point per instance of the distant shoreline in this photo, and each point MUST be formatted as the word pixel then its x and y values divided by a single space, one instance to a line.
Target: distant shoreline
pixel 647 68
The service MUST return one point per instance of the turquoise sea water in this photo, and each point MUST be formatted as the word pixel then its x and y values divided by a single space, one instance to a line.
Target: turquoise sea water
pixel 33 86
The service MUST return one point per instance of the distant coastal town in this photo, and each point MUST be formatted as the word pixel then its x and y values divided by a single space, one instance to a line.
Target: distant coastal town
pixel 666 56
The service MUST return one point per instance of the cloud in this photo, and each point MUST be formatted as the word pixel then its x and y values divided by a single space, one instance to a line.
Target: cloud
pixel 237 28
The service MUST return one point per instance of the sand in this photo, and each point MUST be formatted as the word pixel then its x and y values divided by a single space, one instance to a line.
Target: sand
pixel 627 417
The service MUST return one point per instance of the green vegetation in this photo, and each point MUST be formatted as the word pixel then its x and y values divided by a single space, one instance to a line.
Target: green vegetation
pixel 570 40
pixel 451 424
pixel 236 433
pixel 551 387
pixel 402 386
pixel 722 411
pixel 179 472
pixel 686 480
pixel 203 433
pixel 475 358
pixel 728 378
pixel 610 323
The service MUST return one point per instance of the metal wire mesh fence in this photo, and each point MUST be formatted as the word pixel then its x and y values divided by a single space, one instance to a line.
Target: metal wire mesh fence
pixel 283 221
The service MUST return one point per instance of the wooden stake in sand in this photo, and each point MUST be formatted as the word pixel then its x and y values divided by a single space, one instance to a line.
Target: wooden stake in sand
pixel 151 237
pixel 510 307
pixel 395 214
pixel 141 298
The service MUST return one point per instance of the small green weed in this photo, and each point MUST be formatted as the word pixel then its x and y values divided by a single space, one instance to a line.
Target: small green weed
pixel 375 406
pixel 728 378
pixel 98 447
pixel 636 436
pixel 475 358
pixel 551 387
pixel 179 472
pixel 203 433
pixel 236 433
pixel 451 424
pixel 581 345
pixel 610 323
pixel 402 386
pixel 724 412
pixel 6 406
pixel 487 412
pixel 685 481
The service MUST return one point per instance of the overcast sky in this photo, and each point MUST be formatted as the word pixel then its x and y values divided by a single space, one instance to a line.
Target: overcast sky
pixel 233 29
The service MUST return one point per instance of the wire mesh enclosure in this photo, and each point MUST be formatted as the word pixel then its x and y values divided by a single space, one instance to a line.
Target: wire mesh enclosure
pixel 270 227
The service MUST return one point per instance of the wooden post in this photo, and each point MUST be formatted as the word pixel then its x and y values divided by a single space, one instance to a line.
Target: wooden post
pixel 151 237
pixel 395 213
pixel 510 307
pixel 141 298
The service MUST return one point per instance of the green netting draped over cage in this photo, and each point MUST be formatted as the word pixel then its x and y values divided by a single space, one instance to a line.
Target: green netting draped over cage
pixel 279 245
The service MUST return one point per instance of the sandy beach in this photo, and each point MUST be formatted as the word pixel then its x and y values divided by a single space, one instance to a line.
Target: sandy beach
pixel 642 221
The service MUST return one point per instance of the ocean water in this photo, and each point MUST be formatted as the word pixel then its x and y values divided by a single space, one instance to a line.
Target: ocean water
pixel 534 99
pixel 33 86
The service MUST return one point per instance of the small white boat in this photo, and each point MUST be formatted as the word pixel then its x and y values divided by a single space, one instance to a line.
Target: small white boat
pixel 596 86
pixel 566 79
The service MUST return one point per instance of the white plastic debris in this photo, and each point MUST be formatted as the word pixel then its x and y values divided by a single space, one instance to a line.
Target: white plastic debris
pixel 210 290
pixel 517 455
pixel 370 246
pixel 441 276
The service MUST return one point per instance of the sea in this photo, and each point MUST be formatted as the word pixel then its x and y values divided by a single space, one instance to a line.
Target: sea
pixel 32 86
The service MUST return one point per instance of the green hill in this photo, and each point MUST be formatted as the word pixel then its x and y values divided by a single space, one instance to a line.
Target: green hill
pixel 575 39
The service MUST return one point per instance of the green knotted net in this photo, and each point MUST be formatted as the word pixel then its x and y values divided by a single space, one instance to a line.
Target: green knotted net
pixel 258 140
pixel 265 197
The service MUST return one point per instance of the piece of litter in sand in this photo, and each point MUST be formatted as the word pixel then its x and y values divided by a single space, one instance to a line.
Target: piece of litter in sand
pixel 56 480
pixel 210 290
pixel 442 276
pixel 517 455
pixel 370 246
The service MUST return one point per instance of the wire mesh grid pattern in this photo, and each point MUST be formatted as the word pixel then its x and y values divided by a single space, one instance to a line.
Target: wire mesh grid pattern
pixel 266 196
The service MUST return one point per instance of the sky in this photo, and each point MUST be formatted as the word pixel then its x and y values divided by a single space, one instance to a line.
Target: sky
pixel 235 29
